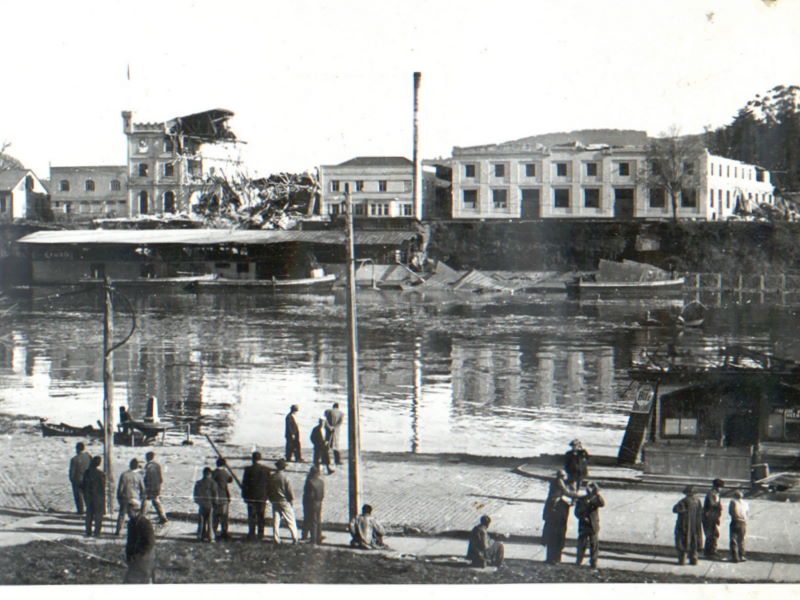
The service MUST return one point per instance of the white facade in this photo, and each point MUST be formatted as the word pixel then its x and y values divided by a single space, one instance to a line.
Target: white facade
pixel 22 194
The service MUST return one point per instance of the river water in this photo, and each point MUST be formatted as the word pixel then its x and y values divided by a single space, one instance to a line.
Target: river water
pixel 508 376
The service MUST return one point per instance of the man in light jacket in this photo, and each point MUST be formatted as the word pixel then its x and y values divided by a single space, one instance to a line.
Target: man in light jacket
pixel 129 488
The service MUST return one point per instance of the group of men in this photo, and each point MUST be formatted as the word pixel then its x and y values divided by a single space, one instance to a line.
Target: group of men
pixel 324 437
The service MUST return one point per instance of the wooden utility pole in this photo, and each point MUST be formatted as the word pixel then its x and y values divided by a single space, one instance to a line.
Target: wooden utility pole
pixel 353 437
pixel 417 181
pixel 108 391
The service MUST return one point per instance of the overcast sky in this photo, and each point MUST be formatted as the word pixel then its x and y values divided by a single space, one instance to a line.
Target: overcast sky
pixel 318 82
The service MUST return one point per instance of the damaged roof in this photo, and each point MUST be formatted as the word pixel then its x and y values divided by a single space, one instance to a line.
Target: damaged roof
pixel 209 125
pixel 377 161
pixel 9 178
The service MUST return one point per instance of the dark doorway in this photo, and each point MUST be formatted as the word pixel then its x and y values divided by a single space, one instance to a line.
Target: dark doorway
pixel 741 429
pixel 623 203
pixel 143 202
pixel 531 205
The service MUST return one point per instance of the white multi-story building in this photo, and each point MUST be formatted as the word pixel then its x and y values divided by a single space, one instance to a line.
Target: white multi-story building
pixel 592 174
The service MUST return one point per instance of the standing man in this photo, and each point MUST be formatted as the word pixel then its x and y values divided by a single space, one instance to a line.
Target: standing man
pixel 222 477
pixel 576 464
pixel 281 497
pixel 688 526
pixel 292 435
pixel 587 510
pixel 739 511
pixel 712 512
pixel 321 451
pixel 255 491
pixel 94 492
pixel 335 418
pixel 77 468
pixel 480 552
pixel 206 496
pixel 140 549
pixel 313 493
pixel 152 487
pixel 129 488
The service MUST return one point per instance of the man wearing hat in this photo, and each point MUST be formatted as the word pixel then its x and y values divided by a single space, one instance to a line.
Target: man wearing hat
pixel 576 464
pixel 292 435
pixel 587 510
pixel 555 515
pixel 688 526
pixel 255 491
pixel 712 512
pixel 140 549
pixel 281 497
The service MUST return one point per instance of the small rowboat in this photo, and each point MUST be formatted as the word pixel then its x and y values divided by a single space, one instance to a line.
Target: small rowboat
pixel 62 429
pixel 304 284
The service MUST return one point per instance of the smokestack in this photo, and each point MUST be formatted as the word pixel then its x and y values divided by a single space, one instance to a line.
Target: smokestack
pixel 417 193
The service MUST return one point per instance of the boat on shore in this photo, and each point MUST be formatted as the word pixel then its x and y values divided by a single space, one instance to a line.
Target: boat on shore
pixel 626 278
pixel 322 283
pixel 179 280
pixel 129 437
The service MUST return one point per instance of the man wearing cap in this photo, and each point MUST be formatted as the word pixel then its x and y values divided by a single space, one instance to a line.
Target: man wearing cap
pixel 255 491
pixel 576 464
pixel 130 487
pixel 220 518
pixel 94 492
pixel 688 526
pixel 292 435
pixel 738 510
pixel 281 498
pixel 322 453
pixel 77 468
pixel 712 512
pixel 206 496
pixel 587 510
pixel 152 486
pixel 335 417
pixel 140 548
pixel 480 551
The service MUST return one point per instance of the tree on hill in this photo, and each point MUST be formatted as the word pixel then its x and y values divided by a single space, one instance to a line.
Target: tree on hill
pixel 672 167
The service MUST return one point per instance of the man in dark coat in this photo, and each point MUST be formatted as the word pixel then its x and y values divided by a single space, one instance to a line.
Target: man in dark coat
pixel 94 492
pixel 587 510
pixel 77 468
pixel 335 419
pixel 206 496
pixel 140 549
pixel 555 515
pixel 255 491
pixel 222 477
pixel 688 526
pixel 321 451
pixel 712 513
pixel 481 551
pixel 313 493
pixel 153 479
pixel 576 464
pixel 292 435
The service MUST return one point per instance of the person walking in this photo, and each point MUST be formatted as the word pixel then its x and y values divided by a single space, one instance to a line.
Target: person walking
pixel 481 551
pixel 94 493
pixel 140 548
pixel 281 498
pixel 688 526
pixel 712 513
pixel 313 493
pixel 738 510
pixel 587 510
pixel 335 418
pixel 292 435
pixel 321 451
pixel 255 491
pixel 576 464
pixel 206 496
pixel 153 479
pixel 77 468
pixel 365 531
pixel 222 477
pixel 129 488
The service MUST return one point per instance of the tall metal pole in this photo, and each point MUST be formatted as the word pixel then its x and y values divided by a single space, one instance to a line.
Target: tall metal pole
pixel 417 185
pixel 108 391
pixel 353 437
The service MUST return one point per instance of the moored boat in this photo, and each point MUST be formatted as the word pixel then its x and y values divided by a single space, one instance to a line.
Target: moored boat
pixel 626 278
pixel 303 284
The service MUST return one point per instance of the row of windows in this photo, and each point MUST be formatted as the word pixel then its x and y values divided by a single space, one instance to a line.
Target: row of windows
pixel 167 198
pixel 373 209
pixel 383 185
pixel 89 185
pixel 562 198
pixel 167 169
pixel 737 171
pixel 560 169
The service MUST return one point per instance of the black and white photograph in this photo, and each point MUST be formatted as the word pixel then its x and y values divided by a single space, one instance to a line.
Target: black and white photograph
pixel 400 293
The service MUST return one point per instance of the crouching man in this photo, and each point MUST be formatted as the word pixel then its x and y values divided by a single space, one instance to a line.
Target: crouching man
pixel 481 550
pixel 366 531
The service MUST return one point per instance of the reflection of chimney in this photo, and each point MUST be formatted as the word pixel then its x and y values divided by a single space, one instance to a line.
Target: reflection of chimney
pixel 127 117
pixel 417 185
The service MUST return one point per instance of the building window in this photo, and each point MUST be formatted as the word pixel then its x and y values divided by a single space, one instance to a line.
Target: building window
pixel 143 204
pixel 334 209
pixel 688 167
pixel 469 171
pixel 360 185
pixel 169 146
pixel 591 169
pixel 63 185
pixel 169 169
pixel 728 171
pixel 407 210
pixel 688 198
pixel 561 198
pixel 561 169
pixel 500 199
pixel 169 202
pixel 379 210
pixel 624 169
pixel 530 170
pixel 335 186
pixel 359 209
pixel 680 427
pixel 591 197
pixel 658 197
pixel 728 199
pixel 115 185
pixel 383 185
pixel 470 199
pixel 88 185
pixel 142 169
pixel 500 170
